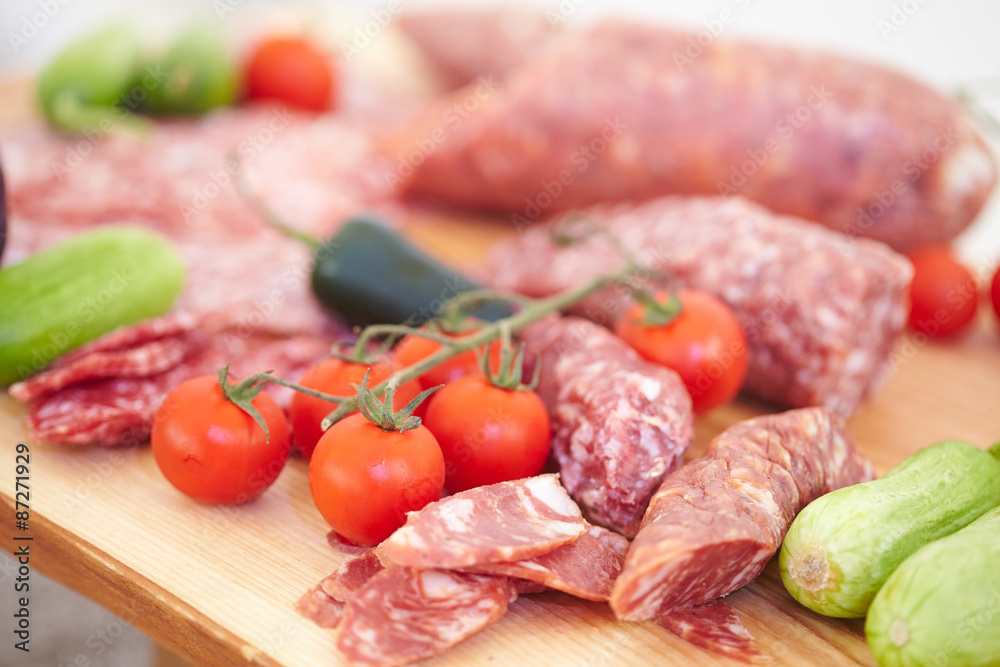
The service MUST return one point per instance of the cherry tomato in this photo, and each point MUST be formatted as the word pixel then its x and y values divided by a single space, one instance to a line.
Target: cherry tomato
pixel 488 434
pixel 943 294
pixel 211 450
pixel 704 344
pixel 412 349
pixel 333 376
pixel 291 70
pixel 364 479
pixel 995 293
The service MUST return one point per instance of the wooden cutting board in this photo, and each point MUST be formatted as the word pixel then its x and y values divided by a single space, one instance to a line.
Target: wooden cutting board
pixel 217 584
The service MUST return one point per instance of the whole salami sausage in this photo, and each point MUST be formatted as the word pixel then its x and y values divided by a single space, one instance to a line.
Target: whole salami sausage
pixel 712 525
pixel 822 313
pixel 624 111
pixel 619 423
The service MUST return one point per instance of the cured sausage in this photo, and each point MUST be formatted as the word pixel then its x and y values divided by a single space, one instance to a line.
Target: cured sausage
pixel 821 313
pixel 501 522
pixel 586 567
pixel 324 603
pixel 625 111
pixel 620 424
pixel 463 44
pixel 713 525
pixel 402 615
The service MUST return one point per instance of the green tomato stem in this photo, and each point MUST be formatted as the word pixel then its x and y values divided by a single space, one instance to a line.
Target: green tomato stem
pixel 531 312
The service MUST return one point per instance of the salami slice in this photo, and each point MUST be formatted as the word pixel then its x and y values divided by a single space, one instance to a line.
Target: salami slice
pixel 713 525
pixel 618 112
pixel 81 401
pixel 341 544
pixel 619 423
pixel 324 603
pixel 822 314
pixel 508 521
pixel 714 626
pixel 402 615
pixel 586 567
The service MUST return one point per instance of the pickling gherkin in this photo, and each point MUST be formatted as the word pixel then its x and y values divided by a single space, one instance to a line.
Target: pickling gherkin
pixel 942 605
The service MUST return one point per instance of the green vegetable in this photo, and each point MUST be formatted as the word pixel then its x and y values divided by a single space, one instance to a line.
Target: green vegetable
pixel 199 74
pixel 843 546
pixel 85 86
pixel 942 605
pixel 79 290
pixel 368 274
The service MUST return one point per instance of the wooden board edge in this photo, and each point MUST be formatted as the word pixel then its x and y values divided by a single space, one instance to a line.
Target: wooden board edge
pixel 97 575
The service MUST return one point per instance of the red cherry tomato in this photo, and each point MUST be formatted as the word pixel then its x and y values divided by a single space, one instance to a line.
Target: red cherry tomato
pixel 211 450
pixel 412 349
pixel 335 377
pixel 995 293
pixel 488 434
pixel 704 344
pixel 943 294
pixel 290 70
pixel 364 479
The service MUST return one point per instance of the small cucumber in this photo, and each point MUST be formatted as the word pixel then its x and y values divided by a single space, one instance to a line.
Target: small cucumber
pixel 942 605
pixel 79 290
pixel 843 546
pixel 199 74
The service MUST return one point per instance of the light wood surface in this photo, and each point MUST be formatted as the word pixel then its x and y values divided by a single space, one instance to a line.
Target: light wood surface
pixel 217 584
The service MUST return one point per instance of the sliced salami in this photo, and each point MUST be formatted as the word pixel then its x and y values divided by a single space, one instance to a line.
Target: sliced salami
pixel 714 626
pixel 822 313
pixel 81 401
pixel 713 525
pixel 502 522
pixel 619 423
pixel 586 567
pixel 324 603
pixel 402 615
pixel 342 545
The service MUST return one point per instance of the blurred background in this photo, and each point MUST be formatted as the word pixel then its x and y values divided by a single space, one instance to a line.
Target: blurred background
pixel 945 44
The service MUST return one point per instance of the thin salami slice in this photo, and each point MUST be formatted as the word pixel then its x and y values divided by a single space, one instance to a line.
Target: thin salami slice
pixel 324 603
pixel 402 615
pixel 714 626
pixel 620 424
pixel 586 567
pixel 317 606
pixel 340 544
pixel 79 402
pixel 501 522
pixel 713 525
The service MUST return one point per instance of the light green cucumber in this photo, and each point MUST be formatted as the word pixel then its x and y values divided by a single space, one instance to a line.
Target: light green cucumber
pixel 84 88
pixel 843 546
pixel 198 74
pixel 79 290
pixel 942 605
